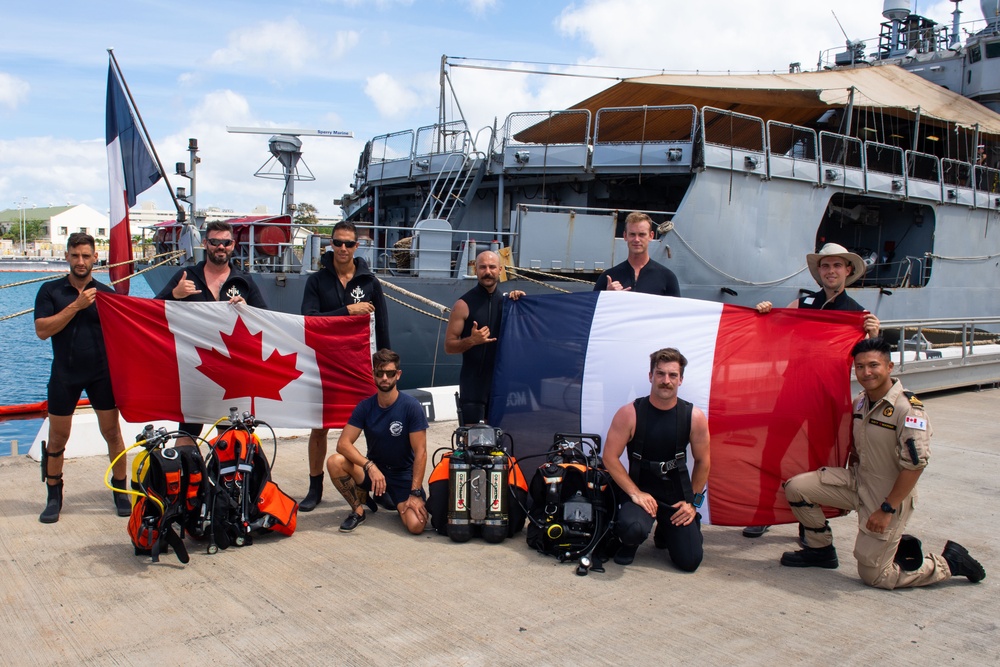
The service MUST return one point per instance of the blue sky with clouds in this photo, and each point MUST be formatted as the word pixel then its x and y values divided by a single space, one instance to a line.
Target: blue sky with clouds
pixel 367 66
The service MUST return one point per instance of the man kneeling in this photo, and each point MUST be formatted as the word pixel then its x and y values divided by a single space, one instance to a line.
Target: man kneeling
pixel 395 430
pixel 656 430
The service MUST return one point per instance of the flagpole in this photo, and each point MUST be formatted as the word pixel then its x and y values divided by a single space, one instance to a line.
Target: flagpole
pixel 149 142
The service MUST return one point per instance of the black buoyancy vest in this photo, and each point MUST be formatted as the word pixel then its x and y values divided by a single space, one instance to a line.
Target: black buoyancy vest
pixel 660 441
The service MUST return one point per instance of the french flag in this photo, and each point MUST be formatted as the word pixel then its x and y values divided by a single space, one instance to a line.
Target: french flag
pixel 131 171
pixel 775 387
pixel 191 362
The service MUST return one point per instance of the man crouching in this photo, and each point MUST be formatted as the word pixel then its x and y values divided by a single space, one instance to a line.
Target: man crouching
pixel 395 430
pixel 891 449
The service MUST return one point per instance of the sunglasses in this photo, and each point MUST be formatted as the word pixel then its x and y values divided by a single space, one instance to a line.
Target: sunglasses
pixel 341 243
pixel 386 374
pixel 215 243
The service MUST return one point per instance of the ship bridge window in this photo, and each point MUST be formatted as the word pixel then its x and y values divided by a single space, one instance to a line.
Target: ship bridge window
pixel 975 54
pixel 993 49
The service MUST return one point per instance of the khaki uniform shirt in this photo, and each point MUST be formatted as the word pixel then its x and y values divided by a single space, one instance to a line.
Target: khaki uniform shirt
pixel 891 435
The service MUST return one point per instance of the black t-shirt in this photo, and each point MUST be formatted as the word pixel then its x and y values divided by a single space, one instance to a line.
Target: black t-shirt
pixel 78 350
pixel 654 278
pixel 817 301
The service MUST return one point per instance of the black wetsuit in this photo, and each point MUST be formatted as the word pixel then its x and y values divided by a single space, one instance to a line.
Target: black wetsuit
pixel 79 358
pixel 476 377
pixel 654 278
pixel 661 442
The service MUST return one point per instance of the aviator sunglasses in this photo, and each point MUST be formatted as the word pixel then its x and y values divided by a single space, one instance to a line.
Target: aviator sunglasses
pixel 215 243
pixel 341 243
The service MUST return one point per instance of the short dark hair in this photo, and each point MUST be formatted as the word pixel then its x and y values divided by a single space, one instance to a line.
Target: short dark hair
pixel 667 355
pixel 873 345
pixel 218 226
pixel 384 357
pixel 345 224
pixel 80 238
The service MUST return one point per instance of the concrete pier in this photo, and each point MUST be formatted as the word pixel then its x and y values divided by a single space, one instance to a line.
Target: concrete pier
pixel 73 592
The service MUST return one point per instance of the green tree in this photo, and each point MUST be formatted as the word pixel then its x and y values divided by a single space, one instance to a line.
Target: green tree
pixel 305 214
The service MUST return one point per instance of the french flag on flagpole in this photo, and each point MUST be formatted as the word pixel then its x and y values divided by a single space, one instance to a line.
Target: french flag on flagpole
pixel 131 171
pixel 191 362
pixel 775 387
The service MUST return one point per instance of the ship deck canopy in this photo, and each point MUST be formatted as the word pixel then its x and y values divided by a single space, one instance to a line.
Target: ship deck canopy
pixel 796 99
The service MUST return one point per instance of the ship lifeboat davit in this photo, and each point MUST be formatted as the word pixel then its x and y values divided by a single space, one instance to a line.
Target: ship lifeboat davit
pixel 269 234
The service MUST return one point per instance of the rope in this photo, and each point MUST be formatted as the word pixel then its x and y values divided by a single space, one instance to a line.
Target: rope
pixel 742 281
pixel 517 272
pixel 33 280
pixel 137 273
pixel 60 275
pixel 965 259
pixel 414 308
pixel 511 269
pixel 415 296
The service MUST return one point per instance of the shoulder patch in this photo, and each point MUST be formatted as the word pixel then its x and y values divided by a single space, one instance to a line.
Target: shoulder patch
pixel 887 412
pixel 914 401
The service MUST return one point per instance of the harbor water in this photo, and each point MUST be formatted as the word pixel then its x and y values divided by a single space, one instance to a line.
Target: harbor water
pixel 25 361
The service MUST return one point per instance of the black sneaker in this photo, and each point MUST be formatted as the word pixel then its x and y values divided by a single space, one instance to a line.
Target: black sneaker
pixel 961 563
pixel 626 554
pixel 352 521
pixel 754 531
pixel 825 557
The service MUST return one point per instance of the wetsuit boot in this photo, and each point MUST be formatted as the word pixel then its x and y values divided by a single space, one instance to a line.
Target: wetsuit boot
pixel 122 503
pixel 315 494
pixel 54 503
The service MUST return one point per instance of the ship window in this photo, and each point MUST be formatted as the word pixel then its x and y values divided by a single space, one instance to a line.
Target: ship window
pixel 993 50
pixel 975 55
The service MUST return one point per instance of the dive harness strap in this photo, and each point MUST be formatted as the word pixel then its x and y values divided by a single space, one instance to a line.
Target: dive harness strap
pixel 662 469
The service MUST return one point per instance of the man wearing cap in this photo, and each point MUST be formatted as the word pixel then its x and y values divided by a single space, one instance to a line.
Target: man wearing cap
pixel 214 278
pixel 344 285
pixel 834 267
pixel 891 435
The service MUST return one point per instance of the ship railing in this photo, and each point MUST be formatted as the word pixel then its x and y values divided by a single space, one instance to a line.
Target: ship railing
pixel 842 161
pixel 628 139
pixel 733 141
pixel 952 351
pixel 428 249
pixel 435 145
pixel 792 152
pixel 957 182
pixel 535 141
pixel 451 186
pixel 884 169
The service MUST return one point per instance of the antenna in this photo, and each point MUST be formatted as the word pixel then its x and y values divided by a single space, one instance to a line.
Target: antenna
pixel 286 151
pixel 841 27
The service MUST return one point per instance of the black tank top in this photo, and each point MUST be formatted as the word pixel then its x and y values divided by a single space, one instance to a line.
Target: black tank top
pixel 661 442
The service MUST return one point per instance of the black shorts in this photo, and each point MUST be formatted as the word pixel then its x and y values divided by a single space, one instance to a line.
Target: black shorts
pixel 397 487
pixel 64 395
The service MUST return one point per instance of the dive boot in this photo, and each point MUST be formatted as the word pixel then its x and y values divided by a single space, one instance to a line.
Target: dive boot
pixel 123 505
pixel 315 494
pixel 53 505
pixel 825 557
pixel 961 563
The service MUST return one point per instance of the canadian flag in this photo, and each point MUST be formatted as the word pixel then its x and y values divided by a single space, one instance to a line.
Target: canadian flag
pixel 775 387
pixel 192 362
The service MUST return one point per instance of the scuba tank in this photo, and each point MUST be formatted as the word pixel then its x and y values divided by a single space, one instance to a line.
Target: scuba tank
pixel 478 471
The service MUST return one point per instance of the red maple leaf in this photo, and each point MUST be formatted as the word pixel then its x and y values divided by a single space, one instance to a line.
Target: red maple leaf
pixel 240 373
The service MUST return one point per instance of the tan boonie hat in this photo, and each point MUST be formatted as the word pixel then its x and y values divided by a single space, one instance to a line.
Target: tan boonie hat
pixel 836 250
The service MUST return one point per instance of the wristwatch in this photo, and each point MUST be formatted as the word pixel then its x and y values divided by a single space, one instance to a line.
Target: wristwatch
pixel 698 500
pixel 419 493
pixel 887 508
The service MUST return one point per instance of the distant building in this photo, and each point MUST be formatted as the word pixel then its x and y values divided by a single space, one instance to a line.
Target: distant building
pixel 58 222
pixel 145 214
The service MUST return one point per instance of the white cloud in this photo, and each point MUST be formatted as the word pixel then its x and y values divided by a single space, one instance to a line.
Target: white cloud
pixel 394 99
pixel 480 6
pixel 50 170
pixel 284 46
pixel 13 90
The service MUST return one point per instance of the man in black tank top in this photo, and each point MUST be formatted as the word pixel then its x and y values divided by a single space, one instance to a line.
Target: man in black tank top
pixel 656 430
pixel 472 331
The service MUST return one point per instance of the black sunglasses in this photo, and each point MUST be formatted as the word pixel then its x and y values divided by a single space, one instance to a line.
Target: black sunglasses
pixel 341 243
pixel 215 243
pixel 386 374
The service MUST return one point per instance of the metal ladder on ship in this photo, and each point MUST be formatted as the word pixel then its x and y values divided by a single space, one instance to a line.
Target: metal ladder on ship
pixel 453 187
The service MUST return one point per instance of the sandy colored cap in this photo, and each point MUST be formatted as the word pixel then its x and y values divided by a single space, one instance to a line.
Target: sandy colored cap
pixel 836 250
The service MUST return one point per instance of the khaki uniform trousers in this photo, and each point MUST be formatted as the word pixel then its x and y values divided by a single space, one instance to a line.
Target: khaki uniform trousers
pixel 837 487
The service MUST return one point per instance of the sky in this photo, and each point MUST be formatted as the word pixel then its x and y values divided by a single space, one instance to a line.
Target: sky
pixel 370 67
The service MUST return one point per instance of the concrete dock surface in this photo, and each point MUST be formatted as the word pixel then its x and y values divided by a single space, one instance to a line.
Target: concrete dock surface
pixel 74 593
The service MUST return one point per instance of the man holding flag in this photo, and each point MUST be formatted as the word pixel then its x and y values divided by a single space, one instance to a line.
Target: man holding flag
pixel 131 171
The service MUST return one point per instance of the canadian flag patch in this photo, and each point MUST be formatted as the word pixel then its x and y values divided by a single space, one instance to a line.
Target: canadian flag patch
pixel 918 423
